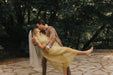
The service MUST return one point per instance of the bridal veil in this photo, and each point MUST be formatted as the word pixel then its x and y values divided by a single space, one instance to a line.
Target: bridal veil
pixel 35 54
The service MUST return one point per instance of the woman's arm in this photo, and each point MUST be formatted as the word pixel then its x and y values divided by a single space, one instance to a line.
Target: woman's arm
pixel 36 41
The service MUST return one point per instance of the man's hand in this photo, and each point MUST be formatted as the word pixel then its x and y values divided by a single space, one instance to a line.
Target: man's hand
pixel 46 49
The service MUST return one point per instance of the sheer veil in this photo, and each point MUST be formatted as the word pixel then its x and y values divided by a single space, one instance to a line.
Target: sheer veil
pixel 35 54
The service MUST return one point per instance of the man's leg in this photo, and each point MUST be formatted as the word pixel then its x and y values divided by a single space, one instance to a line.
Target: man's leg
pixel 44 66
pixel 68 71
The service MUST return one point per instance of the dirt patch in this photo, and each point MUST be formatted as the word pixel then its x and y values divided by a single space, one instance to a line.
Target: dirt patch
pixel 14 60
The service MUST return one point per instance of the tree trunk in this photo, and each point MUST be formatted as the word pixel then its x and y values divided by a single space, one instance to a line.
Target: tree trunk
pixel 52 17
pixel 28 16
pixel 45 16
pixel 94 36
pixel 77 45
pixel 38 13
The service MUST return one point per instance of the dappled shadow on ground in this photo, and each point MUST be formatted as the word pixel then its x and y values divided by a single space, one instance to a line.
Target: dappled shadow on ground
pixel 100 63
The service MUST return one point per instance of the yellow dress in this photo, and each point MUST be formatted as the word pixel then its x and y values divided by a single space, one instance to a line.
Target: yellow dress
pixel 57 56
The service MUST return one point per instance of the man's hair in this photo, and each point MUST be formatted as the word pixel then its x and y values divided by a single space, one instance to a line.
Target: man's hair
pixel 41 21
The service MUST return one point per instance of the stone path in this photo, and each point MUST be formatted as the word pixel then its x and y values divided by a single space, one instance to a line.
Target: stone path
pixel 100 63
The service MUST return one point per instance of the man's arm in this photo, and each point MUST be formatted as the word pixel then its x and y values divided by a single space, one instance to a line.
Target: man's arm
pixel 52 37
pixel 59 41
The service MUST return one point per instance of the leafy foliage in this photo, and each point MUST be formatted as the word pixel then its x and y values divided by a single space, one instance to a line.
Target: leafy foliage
pixel 79 23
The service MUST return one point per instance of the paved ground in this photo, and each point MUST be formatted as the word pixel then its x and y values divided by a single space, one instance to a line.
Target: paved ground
pixel 100 63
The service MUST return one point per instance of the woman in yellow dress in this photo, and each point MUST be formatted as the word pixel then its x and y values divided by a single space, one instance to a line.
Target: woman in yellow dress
pixel 59 57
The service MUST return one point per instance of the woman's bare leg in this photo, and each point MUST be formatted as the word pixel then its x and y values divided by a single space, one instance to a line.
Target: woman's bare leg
pixel 87 52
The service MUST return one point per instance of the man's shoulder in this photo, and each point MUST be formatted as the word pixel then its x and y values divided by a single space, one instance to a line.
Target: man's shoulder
pixel 51 27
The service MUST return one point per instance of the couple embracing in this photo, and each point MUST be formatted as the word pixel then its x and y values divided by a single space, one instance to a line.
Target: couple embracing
pixel 45 45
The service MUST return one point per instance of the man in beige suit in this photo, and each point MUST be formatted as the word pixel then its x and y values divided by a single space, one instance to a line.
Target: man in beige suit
pixel 52 34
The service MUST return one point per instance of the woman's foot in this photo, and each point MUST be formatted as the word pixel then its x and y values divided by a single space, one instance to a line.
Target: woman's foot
pixel 88 52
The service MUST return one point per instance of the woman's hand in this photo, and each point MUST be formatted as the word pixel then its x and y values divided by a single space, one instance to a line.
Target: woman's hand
pixel 43 46
pixel 34 40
